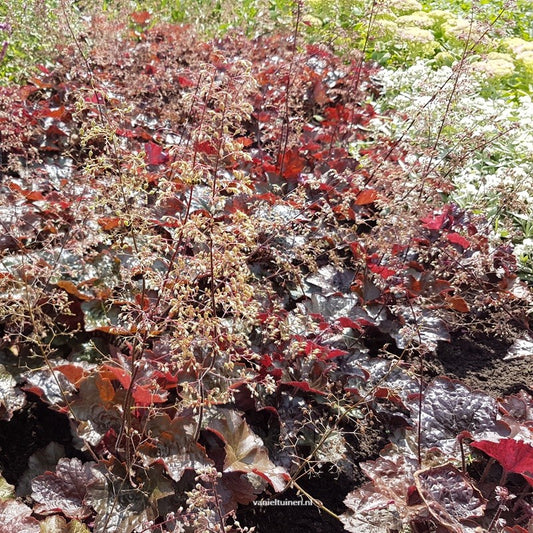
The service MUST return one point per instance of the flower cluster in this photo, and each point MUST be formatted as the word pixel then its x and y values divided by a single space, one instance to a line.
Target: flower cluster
pixel 483 145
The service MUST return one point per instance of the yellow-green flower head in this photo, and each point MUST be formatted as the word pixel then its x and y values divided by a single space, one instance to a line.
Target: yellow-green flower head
pixel 495 65
pixel 444 59
pixel 384 29
pixel 517 45
pixel 420 19
pixel 418 41
pixel 440 17
pixel 416 35
pixel 526 59
pixel 402 7
pixel 461 29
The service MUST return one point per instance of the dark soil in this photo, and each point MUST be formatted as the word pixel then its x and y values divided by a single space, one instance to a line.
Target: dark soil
pixel 327 488
pixel 478 361
pixel 31 428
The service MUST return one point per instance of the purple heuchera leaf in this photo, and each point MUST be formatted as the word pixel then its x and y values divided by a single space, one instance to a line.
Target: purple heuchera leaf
pixel 11 398
pixel 65 489
pixel 173 445
pixel 245 451
pixel 235 488
pixel 369 511
pixel 392 474
pixel 449 409
pixel 15 516
pixel 449 496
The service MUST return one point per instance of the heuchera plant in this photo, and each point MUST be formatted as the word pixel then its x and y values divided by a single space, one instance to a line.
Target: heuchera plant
pixel 205 281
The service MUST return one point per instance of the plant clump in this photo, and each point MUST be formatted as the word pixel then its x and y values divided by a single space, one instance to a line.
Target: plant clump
pixel 220 270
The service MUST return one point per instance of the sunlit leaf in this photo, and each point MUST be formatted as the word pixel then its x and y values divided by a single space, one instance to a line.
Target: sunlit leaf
pixel 52 387
pixel 121 507
pixel 7 491
pixel 65 489
pixel 11 398
pixel 172 444
pixel 455 238
pixel 450 496
pixel 449 409
pixel 245 451
pixel 154 154
pixel 514 455
pixel 109 223
pixel 15 516
pixel 42 460
pixel 140 17
pixel 458 304
pixel 54 524
pixel 365 197
pixel 69 287
pixel 369 511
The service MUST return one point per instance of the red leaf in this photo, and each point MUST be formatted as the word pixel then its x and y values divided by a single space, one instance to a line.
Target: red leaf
pixel 71 289
pixel 185 82
pixel 58 112
pixel 302 385
pixel 435 221
pixel 245 141
pixel 95 98
pixel 292 164
pixel 366 197
pixel 140 17
pixel 115 372
pixel 144 396
pixel 319 93
pixel 345 322
pixel 40 83
pixel 455 238
pixel 514 456
pixel 206 147
pixel 109 223
pixel 31 196
pixel 331 354
pixel 155 154
pixel 458 303
pixel 357 249
pixel 74 373
pixel 383 271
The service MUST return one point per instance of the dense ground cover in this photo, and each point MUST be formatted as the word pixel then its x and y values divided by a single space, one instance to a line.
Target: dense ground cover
pixel 262 267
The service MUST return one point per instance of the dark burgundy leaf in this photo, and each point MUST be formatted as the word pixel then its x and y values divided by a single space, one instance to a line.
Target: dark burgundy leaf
pixel 450 496
pixel 172 444
pixel 245 451
pixel 11 398
pixel 16 517
pixel 65 489
pixel 448 409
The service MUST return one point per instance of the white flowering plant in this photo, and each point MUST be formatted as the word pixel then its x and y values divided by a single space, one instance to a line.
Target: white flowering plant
pixel 483 146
